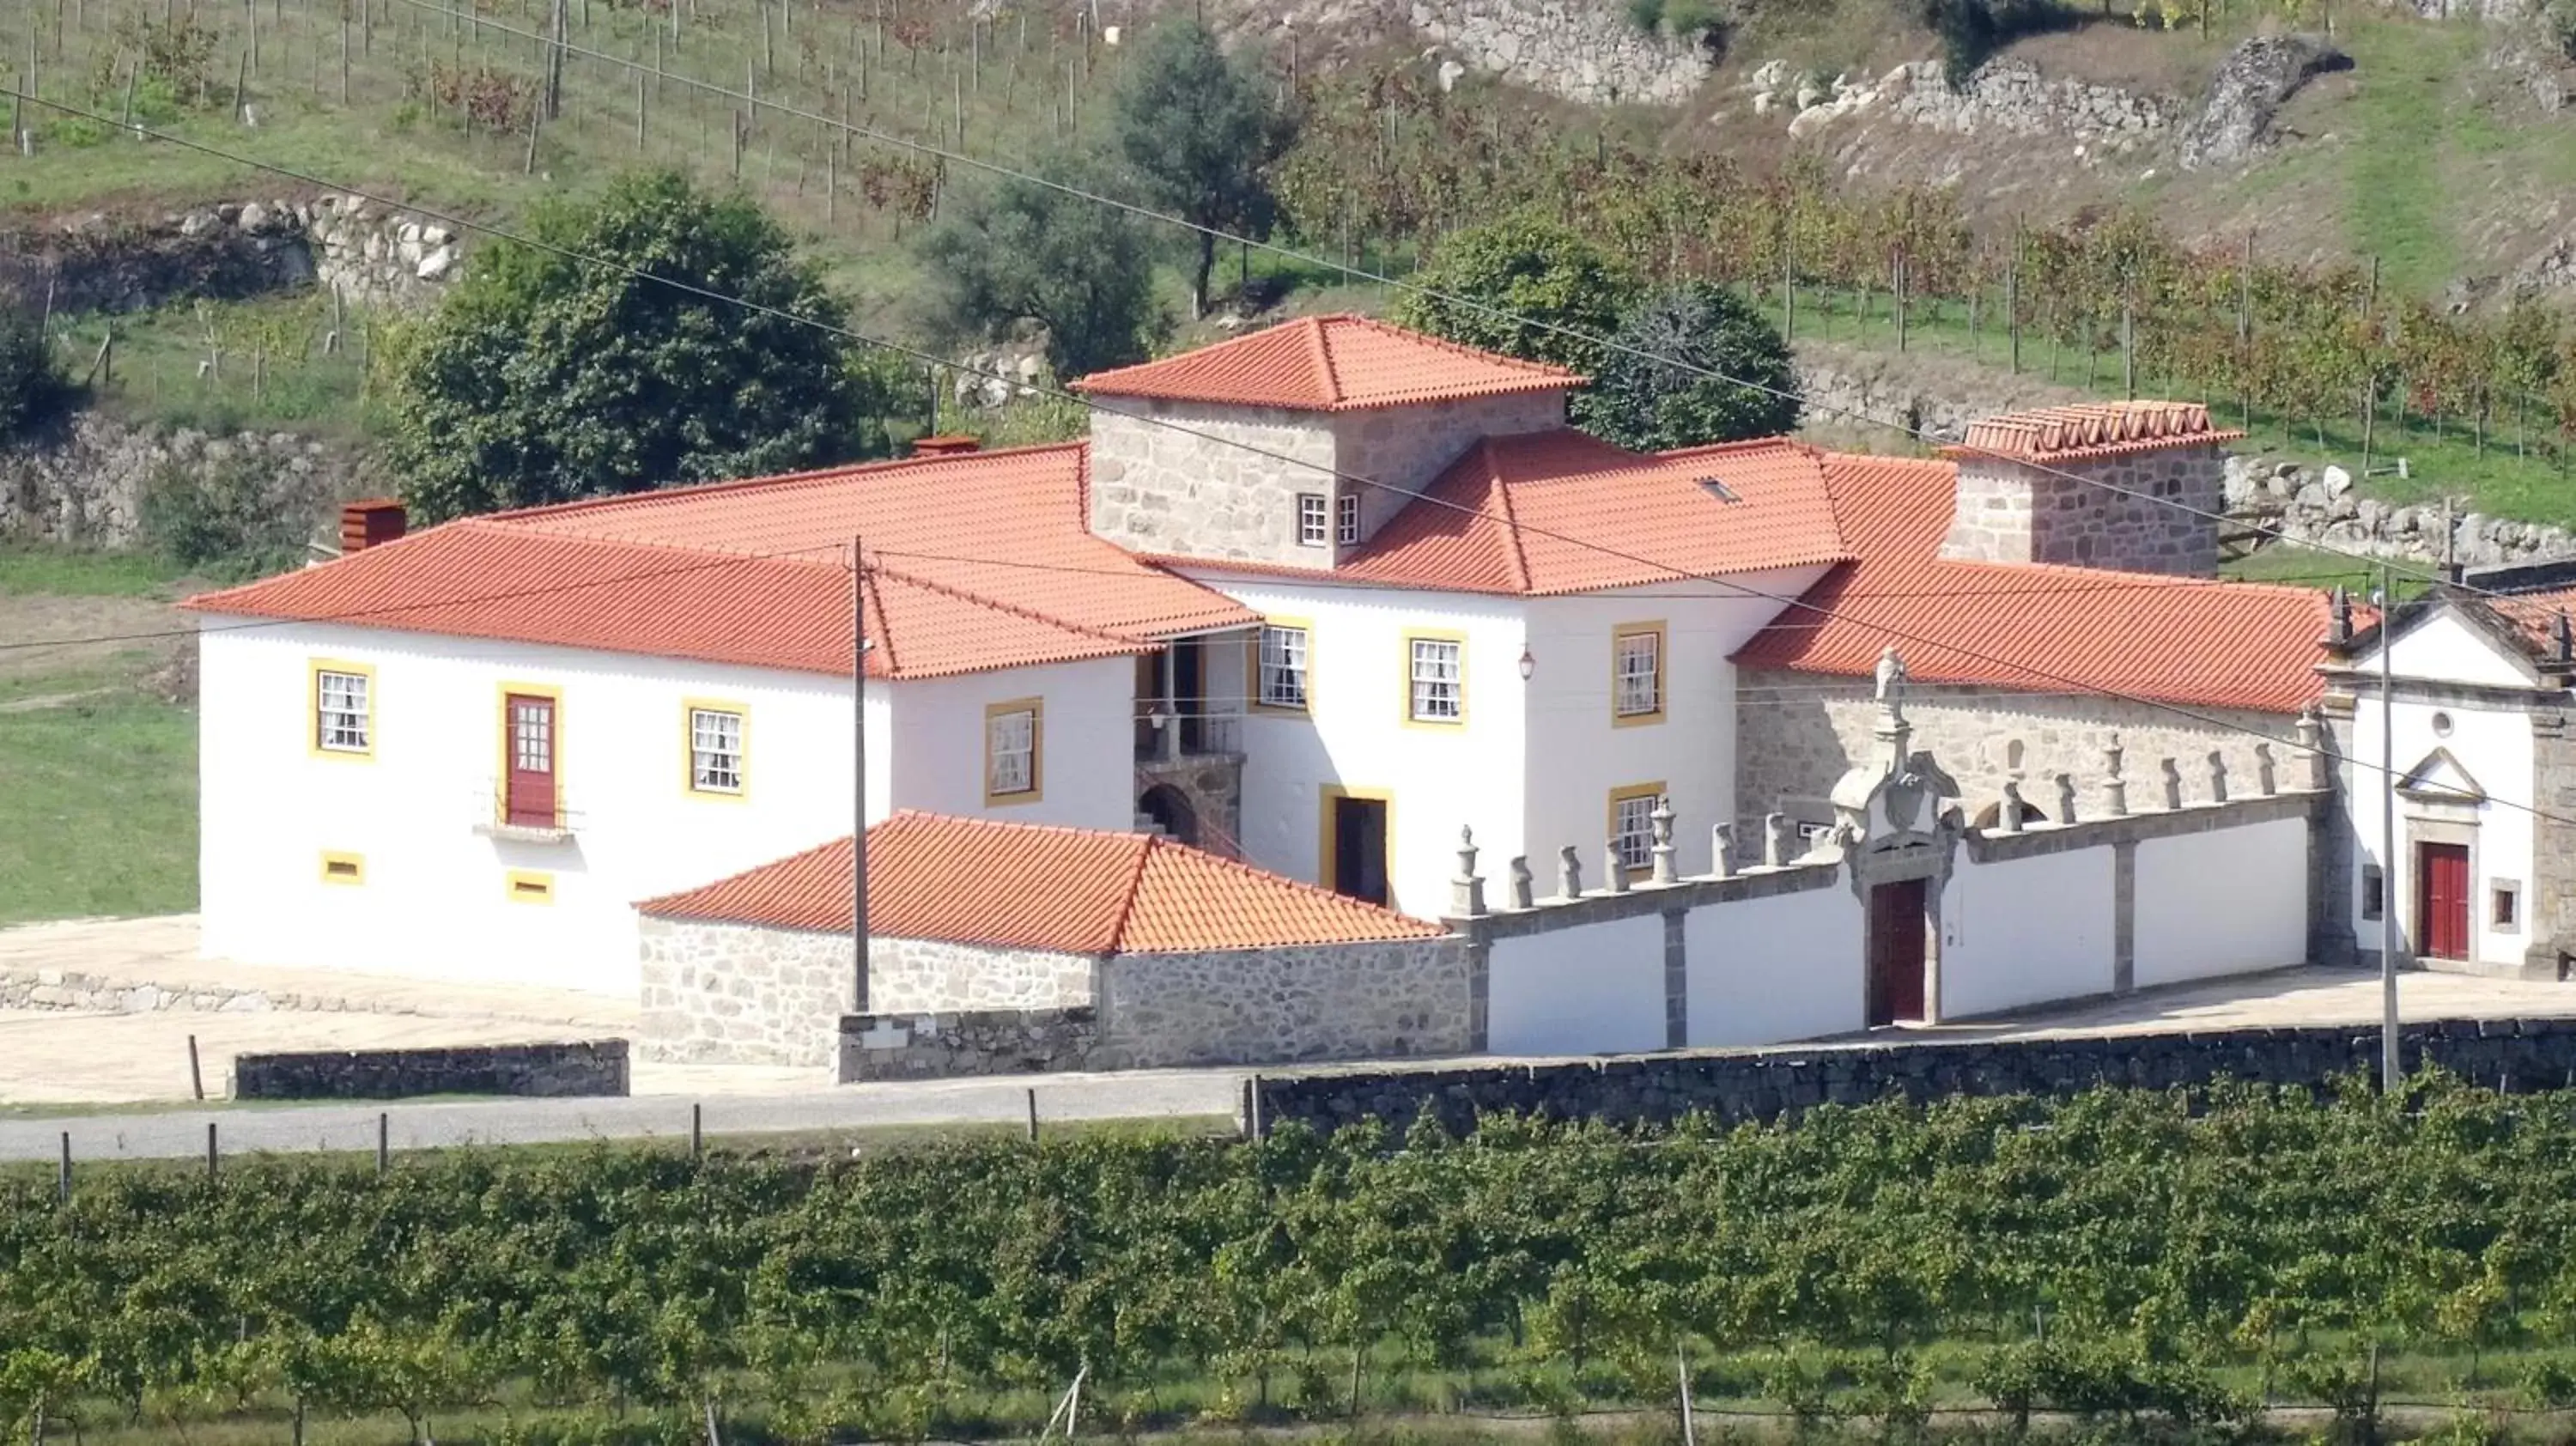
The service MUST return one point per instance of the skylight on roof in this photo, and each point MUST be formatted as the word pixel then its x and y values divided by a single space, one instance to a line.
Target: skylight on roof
pixel 1718 490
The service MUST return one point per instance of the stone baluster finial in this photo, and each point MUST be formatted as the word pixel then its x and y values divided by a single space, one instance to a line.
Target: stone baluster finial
pixel 1721 850
pixel 1519 887
pixel 2217 776
pixel 1775 840
pixel 2339 613
pixel 1614 869
pixel 2115 788
pixel 2066 798
pixel 1466 889
pixel 2008 813
pixel 1662 819
pixel 2267 780
pixel 2173 784
pixel 1569 873
pixel 2310 739
pixel 2562 637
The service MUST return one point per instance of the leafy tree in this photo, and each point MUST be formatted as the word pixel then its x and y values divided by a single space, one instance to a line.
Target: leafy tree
pixel 543 378
pixel 1652 405
pixel 33 388
pixel 1200 135
pixel 1024 251
pixel 1524 287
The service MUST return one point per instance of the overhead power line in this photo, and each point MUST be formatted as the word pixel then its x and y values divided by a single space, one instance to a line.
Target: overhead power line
pixel 1672 571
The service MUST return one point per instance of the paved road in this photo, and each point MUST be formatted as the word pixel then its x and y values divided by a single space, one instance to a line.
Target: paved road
pixel 1157 1094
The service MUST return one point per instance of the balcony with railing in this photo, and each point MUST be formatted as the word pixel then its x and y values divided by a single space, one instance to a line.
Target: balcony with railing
pixel 524 819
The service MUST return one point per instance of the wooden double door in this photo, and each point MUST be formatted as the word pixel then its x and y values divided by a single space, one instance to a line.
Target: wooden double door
pixel 1899 950
pixel 2442 900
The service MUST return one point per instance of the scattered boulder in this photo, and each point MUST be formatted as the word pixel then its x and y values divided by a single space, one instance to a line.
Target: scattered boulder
pixel 2236 120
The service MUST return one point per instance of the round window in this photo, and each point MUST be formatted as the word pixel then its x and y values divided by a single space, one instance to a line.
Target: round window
pixel 2441 725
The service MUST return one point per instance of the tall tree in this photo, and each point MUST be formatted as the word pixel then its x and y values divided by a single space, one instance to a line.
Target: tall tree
pixel 1200 136
pixel 543 377
pixel 1654 389
pixel 1522 286
pixel 1022 250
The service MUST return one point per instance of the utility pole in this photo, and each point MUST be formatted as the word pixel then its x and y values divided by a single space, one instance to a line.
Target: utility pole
pixel 2389 1070
pixel 859 783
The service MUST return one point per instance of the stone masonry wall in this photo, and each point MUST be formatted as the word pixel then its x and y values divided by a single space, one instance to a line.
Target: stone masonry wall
pixel 1796 733
pixel 932 975
pixel 2517 1056
pixel 717 993
pixel 1263 1006
pixel 1406 447
pixel 966 1043
pixel 1587 51
pixel 83 483
pixel 1157 489
pixel 591 1067
pixel 2007 512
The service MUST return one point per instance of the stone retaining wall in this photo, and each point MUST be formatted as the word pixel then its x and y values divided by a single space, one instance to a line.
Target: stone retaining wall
pixel 366 252
pixel 2515 1055
pixel 83 483
pixel 965 1043
pixel 591 1067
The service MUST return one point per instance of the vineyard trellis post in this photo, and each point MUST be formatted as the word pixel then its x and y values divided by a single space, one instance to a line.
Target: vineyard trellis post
pixel 2389 1080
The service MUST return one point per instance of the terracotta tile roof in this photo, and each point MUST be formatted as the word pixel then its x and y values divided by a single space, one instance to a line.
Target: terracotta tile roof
pixel 2028 627
pixel 976 562
pixel 1329 364
pixel 1025 886
pixel 2534 615
pixel 1562 512
pixel 2087 430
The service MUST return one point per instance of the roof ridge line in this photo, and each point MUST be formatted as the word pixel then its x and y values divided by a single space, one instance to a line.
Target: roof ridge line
pixel 1315 337
pixel 1511 518
pixel 872 590
pixel 651 495
pixel 1135 886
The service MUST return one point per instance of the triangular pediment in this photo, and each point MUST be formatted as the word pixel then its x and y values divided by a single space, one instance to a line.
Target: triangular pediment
pixel 2440 777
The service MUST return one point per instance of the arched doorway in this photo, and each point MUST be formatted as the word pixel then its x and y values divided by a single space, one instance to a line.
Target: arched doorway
pixel 1170 810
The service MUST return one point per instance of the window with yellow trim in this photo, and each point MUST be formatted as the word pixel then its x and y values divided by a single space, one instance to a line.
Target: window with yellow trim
pixel 715 750
pixel 1014 751
pixel 1283 667
pixel 1637 673
pixel 1632 825
pixel 343 868
pixel 1438 680
pixel 343 711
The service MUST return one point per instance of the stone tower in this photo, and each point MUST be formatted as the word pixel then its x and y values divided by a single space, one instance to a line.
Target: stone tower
pixel 1293 445
pixel 2092 485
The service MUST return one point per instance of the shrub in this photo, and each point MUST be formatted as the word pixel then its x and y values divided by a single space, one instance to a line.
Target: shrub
pixel 1525 287
pixel 33 388
pixel 1728 375
pixel 228 518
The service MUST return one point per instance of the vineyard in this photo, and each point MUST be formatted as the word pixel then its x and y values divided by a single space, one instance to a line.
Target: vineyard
pixel 2121 1256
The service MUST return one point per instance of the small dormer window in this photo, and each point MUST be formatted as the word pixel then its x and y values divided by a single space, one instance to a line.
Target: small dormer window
pixel 1346 518
pixel 1314 520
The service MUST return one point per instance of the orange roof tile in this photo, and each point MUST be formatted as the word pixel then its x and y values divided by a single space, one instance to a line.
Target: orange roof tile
pixel 2087 430
pixel 1562 512
pixel 2033 627
pixel 1330 364
pixel 976 562
pixel 1027 886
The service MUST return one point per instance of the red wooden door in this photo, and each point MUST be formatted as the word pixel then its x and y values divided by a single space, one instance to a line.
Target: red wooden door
pixel 1896 952
pixel 2442 896
pixel 530 743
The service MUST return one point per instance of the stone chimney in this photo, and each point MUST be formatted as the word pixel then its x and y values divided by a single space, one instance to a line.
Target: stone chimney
pixel 945 446
pixel 371 522
pixel 2131 486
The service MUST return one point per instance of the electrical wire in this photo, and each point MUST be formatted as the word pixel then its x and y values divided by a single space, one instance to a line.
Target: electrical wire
pixel 1521 528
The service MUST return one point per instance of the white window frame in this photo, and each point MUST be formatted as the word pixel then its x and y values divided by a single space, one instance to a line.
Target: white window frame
pixel 1435 675
pixel 350 726
pixel 715 749
pixel 1346 518
pixel 1632 828
pixel 1285 654
pixel 1625 704
pixel 1314 520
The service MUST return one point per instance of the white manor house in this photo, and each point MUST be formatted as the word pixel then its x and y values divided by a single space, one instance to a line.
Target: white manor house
pixel 1335 699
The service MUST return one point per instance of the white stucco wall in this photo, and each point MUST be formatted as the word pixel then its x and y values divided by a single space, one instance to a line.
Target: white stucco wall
pixel 2224 902
pixel 1356 736
pixel 1578 751
pixel 1767 970
pixel 2025 931
pixel 435 898
pixel 2446 647
pixel 1598 989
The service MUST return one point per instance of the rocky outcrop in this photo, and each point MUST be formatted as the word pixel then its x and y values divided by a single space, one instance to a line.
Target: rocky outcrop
pixel 2319 507
pixel 2236 120
pixel 85 483
pixel 1579 50
pixel 229 252
pixel 2001 97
